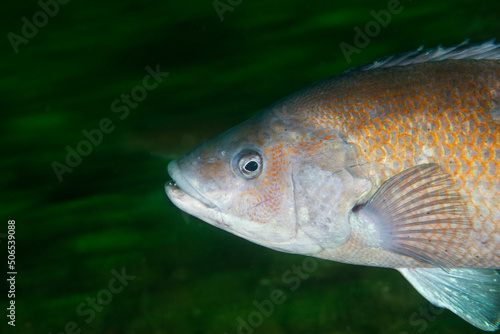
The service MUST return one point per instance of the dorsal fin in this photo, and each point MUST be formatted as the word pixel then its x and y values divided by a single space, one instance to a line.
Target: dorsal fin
pixel 486 50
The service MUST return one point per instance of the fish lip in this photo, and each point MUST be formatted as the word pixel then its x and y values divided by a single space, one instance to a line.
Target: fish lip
pixel 180 186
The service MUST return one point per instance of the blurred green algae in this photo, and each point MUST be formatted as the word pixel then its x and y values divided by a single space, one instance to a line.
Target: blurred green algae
pixel 110 212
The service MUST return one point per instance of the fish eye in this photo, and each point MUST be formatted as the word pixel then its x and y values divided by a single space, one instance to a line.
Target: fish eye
pixel 249 164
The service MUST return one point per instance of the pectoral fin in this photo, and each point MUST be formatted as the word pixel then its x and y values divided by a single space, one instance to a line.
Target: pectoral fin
pixel 417 213
pixel 472 294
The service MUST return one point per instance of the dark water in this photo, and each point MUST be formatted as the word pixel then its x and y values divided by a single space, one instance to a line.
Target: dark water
pixel 106 215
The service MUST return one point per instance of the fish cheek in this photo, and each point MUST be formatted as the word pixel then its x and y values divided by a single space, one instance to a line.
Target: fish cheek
pixel 263 199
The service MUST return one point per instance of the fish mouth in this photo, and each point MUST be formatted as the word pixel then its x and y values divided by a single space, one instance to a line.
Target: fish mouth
pixel 184 195
pixel 181 190
pixel 187 198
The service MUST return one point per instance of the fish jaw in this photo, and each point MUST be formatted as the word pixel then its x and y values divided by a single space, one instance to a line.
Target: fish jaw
pixel 190 204
pixel 181 187
pixel 235 225
pixel 186 197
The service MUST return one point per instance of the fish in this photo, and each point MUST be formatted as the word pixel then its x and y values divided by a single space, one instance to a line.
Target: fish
pixel 395 164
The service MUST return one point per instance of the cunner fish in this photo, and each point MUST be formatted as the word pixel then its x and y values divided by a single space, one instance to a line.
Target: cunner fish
pixel 391 164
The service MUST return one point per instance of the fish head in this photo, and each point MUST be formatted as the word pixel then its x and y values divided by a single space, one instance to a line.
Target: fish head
pixel 255 182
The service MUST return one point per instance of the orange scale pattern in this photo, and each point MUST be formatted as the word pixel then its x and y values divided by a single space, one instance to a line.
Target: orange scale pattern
pixel 432 112
pixel 265 198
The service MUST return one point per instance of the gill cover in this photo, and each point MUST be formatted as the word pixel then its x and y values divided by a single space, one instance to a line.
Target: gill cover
pixel 326 187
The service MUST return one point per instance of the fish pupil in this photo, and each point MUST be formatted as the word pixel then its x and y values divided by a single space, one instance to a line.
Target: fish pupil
pixel 248 164
pixel 251 166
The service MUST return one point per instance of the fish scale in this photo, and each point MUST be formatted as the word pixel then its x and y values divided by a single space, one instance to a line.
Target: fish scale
pixel 397 137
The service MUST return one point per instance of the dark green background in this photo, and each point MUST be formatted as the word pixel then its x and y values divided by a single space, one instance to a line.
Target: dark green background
pixel 111 211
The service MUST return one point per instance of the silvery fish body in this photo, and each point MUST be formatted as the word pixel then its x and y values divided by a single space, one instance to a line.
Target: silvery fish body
pixel 392 164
